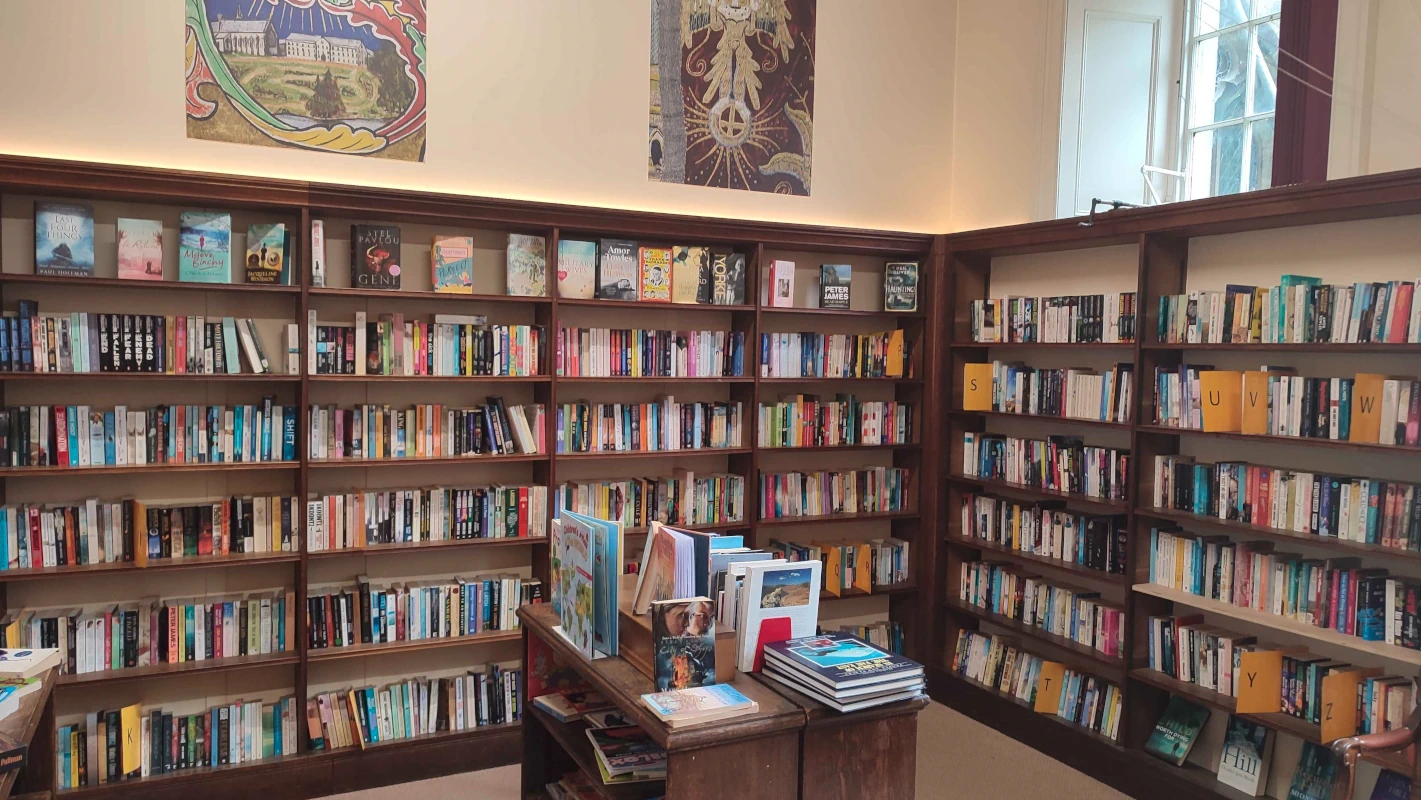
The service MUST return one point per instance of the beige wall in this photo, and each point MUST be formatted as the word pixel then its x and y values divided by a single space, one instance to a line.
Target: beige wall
pixel 1376 122
pixel 535 99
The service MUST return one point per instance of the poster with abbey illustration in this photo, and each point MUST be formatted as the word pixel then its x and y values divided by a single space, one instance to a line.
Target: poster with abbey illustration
pixel 331 76
pixel 732 94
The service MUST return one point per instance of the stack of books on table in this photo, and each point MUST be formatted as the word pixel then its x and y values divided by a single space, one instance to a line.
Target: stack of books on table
pixel 842 671
pixel 627 755
pixel 679 707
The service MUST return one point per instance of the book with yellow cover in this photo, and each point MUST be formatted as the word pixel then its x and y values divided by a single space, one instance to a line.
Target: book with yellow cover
pixel 655 275
pixel 893 366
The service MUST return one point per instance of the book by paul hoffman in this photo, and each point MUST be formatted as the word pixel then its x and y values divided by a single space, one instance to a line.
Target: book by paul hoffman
pixel 266 252
pixel 617 275
pixel 527 266
pixel 834 280
pixel 1177 730
pixel 577 269
pixel 375 256
pixel 64 239
pixel 900 286
pixel 140 249
pixel 205 247
pixel 683 643
pixel 452 267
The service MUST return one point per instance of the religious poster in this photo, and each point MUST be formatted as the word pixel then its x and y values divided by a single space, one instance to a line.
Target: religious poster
pixel 334 76
pixel 732 93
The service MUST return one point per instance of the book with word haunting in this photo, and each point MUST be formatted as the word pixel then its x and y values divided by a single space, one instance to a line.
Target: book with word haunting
pixel 1244 760
pixel 1313 778
pixel 527 265
pixel 452 265
pixel 266 252
pixel 686 265
pixel 727 279
pixel 1176 730
pixel 140 249
pixel 375 257
pixel 683 643
pixel 834 280
pixel 900 286
pixel 205 247
pixel 64 239
pixel 617 271
pixel 655 275
pixel 577 269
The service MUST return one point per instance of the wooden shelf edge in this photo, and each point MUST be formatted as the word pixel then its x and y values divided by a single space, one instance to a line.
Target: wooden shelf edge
pixel 1083 501
pixel 1087 658
pixel 172 670
pixel 1280 534
pixel 1043 562
pixel 408 645
pixel 421 547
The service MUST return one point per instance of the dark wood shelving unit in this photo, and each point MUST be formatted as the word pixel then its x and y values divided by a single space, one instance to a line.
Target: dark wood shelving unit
pixel 424 297
pixel 31 279
pixel 1081 657
pixel 1101 346
pixel 1044 418
pixel 157 565
pixel 110 469
pixel 284 658
pixel 421 547
pixel 697 452
pixel 430 378
pixel 1251 531
pixel 1034 561
pixel 1298 441
pixel 244 377
pixel 1099 505
pixel 824 519
pixel 502 458
pixel 407 645
pixel 838 447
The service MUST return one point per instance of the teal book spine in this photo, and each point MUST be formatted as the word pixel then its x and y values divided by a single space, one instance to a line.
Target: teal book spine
pixel 71 428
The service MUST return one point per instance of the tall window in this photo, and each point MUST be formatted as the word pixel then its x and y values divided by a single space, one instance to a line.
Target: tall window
pixel 1230 95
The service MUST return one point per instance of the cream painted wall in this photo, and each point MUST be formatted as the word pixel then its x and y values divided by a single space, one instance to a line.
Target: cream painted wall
pixel 1376 122
pixel 534 99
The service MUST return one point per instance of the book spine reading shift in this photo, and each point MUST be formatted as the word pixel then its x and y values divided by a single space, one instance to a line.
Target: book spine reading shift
pixel 647 427
pixel 832 355
pixel 410 516
pixel 1060 463
pixel 414 707
pixel 1361 510
pixel 849 565
pixel 451 346
pixel 642 353
pixel 1073 393
pixel 437 609
pixel 1047 529
pixel 425 431
pixel 807 421
pixel 682 499
pixel 872 490
pixel 1085 318
pixel 1075 615
pixel 81 436
pixel 1301 310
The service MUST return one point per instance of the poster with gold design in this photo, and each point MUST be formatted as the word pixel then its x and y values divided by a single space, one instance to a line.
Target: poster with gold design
pixel 732 93
pixel 332 76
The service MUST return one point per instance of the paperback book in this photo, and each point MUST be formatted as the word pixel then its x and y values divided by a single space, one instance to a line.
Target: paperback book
pixel 683 643
pixel 783 596
pixel 655 275
pixel 1176 730
pixel 727 279
pixel 266 253
pixel 452 267
pixel 617 272
pixel 680 707
pixel 834 281
pixel 577 269
pixel 900 286
pixel 1391 786
pixel 205 247
pixel 1313 778
pixel 527 266
pixel 627 755
pixel 1244 760
pixel 64 239
pixel 686 266
pixel 781 284
pixel 375 257
pixel 140 249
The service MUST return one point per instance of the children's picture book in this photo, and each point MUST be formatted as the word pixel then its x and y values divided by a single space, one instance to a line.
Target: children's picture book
pixel 1391 786
pixel 140 249
pixel 452 265
pixel 555 564
pixel 1313 778
pixel 527 265
pixel 64 239
pixel 1244 759
pixel 679 707
pixel 834 280
pixel 575 584
pixel 683 643
pixel 727 279
pixel 266 252
pixel 776 591
pixel 375 257
pixel 205 247
pixel 577 269
pixel 618 275
pixel 606 542
pixel 782 284
pixel 655 275
pixel 1176 730
pixel 686 274
pixel 900 286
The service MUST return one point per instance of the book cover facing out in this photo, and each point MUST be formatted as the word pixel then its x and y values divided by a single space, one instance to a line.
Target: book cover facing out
pixel 617 275
pixel 577 269
pixel 452 267
pixel 1176 731
pixel 655 275
pixel 1243 762
pixel 64 239
pixel 205 247
pixel 1313 778
pixel 727 279
pixel 686 266
pixel 527 265
pixel 266 252
pixel 140 249
pixel 836 657
pixel 900 286
pixel 834 282
pixel 683 643
pixel 375 257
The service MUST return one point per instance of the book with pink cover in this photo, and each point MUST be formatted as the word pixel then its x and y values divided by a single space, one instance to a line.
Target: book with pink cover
pixel 140 249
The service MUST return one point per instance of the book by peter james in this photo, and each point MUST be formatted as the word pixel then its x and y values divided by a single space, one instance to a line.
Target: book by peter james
pixel 577 269
pixel 617 271
pixel 205 247
pixel 727 279
pixel 375 256
pixel 834 282
pixel 64 239
pixel 266 252
pixel 900 286
pixel 1243 762
pixel 527 265
pixel 452 265
pixel 683 643
pixel 686 274
pixel 140 249
pixel 655 275
pixel 1176 731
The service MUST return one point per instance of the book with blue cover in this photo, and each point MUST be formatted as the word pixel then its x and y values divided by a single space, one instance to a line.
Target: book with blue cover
pixel 840 661
pixel 205 247
pixel 606 544
pixel 702 704
pixel 64 239
pixel 1391 786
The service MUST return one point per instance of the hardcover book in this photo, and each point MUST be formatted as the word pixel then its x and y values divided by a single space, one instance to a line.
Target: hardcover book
pixel 64 239
pixel 140 249
pixel 577 269
pixel 1391 786
pixel 1176 730
pixel 452 265
pixel 205 247
pixel 605 539
pixel 834 282
pixel 655 275
pixel 1243 762
pixel 900 286
pixel 375 256
pixel 527 266
pixel 1313 778
pixel 686 264
pixel 838 660
pixel 776 591
pixel 575 585
pixel 782 284
pixel 683 643
pixel 727 279
pixel 266 252
pixel 617 271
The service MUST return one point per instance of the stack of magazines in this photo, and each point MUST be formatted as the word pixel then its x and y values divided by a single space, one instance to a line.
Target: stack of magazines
pixel 843 672
pixel 627 755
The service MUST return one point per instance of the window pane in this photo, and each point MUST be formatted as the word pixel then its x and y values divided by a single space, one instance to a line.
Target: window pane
pixel 1213 15
pixel 1260 171
pixel 1265 69
pixel 1216 162
pixel 1220 71
pixel 1263 8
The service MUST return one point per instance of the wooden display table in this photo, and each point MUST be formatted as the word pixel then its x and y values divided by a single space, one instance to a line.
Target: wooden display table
pixel 23 726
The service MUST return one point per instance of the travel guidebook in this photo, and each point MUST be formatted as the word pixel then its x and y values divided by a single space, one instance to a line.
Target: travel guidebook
pixel 1177 730
pixel 140 249
pixel 205 247
pixel 64 239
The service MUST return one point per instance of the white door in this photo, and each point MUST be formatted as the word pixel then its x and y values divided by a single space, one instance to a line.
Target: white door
pixel 1119 100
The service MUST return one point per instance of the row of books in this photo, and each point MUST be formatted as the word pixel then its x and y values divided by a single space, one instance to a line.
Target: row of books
pixel 1207 656
pixel 1369 408
pixel 1300 310
pixel 842 672
pixel 453 345
pixel 806 421
pixel 884 634
pixel 358 519
pixel 156 631
pixel 81 436
pixel 1012 388
pixel 440 608
pixel 413 707
pixel 1079 616
pixel 1362 510
pixel 376 258
pixel 428 430
pixel 851 566
pixel 900 286
pixel 1085 318
pixel 1049 530
pixel 871 490
pixel 649 353
pixel 663 425
pixel 1337 594
pixel 1058 463
pixel 112 746
pixel 618 269
pixel 84 342
pixel 683 498
pixel 832 355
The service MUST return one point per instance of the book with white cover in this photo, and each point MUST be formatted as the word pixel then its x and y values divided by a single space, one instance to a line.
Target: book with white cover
pixel 26 662
pixel 772 591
